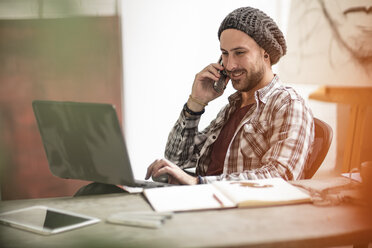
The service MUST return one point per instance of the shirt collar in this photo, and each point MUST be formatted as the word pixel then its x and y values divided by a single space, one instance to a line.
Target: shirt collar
pixel 261 94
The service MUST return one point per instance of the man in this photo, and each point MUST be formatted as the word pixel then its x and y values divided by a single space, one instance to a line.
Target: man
pixel 266 130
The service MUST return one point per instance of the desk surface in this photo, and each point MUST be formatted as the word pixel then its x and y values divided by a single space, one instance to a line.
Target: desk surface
pixel 303 225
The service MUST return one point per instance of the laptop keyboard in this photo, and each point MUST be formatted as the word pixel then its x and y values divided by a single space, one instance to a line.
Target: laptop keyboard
pixel 150 184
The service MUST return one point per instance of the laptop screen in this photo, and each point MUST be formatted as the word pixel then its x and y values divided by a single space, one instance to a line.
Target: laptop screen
pixel 83 141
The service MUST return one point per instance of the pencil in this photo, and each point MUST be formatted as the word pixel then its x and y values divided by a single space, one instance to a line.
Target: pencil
pixel 218 200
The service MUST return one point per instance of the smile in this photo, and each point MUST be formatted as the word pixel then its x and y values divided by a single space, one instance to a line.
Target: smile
pixel 236 74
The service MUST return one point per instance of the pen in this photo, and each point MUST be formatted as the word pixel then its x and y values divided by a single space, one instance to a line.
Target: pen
pixel 132 221
pixel 218 200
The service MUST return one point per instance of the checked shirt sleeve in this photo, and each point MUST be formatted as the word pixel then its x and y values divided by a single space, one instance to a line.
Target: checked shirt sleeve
pixel 182 147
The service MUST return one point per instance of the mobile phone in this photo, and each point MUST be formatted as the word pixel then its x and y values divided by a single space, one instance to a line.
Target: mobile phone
pixel 219 86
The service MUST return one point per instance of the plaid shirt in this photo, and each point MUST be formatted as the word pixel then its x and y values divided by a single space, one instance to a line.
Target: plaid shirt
pixel 274 138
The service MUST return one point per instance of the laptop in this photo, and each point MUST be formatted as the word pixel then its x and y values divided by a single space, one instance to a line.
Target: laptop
pixel 84 141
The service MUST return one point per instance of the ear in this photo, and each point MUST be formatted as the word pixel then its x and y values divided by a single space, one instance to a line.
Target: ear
pixel 267 58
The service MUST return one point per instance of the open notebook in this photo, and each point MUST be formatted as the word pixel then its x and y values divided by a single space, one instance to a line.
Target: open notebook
pixel 225 194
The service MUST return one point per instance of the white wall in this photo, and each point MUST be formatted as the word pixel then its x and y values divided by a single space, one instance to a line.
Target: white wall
pixel 165 43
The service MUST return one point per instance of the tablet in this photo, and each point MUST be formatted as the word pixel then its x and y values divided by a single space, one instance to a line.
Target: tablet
pixel 45 220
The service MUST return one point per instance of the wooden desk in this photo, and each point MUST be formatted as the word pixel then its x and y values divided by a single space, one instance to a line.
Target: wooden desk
pixel 303 225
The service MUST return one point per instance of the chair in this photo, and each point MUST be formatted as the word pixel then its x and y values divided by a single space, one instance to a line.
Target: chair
pixel 322 142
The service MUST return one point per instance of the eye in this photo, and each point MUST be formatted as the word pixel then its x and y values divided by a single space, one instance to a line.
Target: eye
pixel 239 52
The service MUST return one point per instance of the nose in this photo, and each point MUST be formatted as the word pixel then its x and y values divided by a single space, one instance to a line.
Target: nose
pixel 229 63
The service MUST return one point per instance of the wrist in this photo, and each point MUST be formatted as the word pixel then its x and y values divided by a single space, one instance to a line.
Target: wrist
pixel 197 101
pixel 195 105
pixel 189 112
pixel 199 180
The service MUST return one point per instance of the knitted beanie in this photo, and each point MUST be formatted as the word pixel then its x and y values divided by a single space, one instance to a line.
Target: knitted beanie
pixel 260 28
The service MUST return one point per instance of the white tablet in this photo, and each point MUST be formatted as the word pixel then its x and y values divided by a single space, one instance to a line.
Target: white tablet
pixel 45 220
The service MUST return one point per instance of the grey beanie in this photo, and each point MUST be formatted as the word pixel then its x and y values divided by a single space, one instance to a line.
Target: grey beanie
pixel 259 27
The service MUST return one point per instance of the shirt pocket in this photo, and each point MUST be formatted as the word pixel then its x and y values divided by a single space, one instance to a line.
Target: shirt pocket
pixel 254 143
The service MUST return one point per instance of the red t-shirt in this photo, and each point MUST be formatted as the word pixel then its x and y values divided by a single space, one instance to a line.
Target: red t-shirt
pixel 219 147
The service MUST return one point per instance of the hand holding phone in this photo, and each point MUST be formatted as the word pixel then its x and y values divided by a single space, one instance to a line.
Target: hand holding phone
pixel 219 86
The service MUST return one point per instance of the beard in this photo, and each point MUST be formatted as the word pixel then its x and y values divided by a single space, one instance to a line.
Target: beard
pixel 251 79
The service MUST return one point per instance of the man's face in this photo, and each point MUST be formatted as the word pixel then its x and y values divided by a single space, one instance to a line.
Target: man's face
pixel 352 22
pixel 243 59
